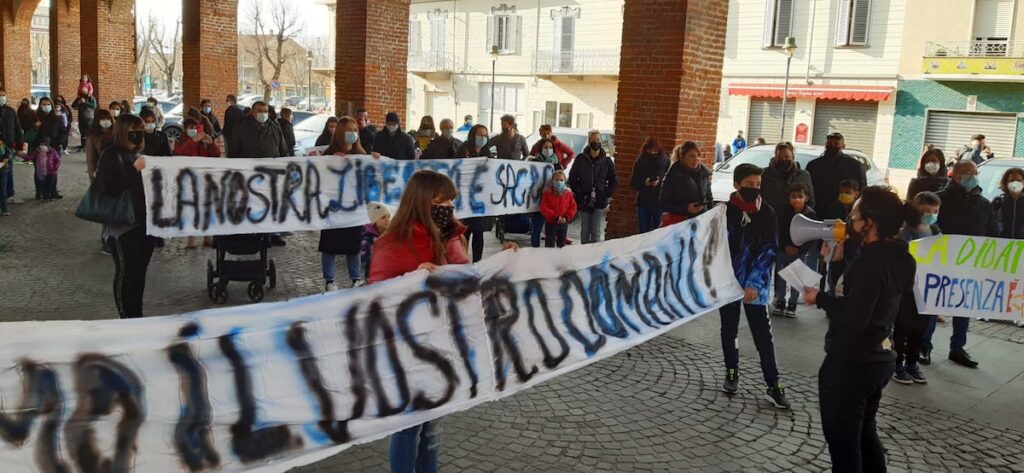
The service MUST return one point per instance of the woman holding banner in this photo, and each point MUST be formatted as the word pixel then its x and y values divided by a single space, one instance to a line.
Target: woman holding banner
pixel 859 358
pixel 342 241
pixel 475 147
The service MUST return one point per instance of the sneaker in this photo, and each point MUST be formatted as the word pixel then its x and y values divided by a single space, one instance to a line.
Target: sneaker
pixel 331 286
pixel 5 214
pixel 926 357
pixel 900 375
pixel 732 382
pixel 779 310
pixel 963 359
pixel 777 396
pixel 359 283
pixel 105 251
pixel 15 200
pixel 915 374
pixel 791 311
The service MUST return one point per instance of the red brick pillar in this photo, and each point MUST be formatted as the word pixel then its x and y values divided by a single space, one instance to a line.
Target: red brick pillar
pixel 108 48
pixel 670 77
pixel 209 51
pixel 371 54
pixel 65 48
pixel 15 45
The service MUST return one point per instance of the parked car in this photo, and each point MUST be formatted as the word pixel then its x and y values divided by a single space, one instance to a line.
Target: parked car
pixel 172 122
pixel 761 155
pixel 318 103
pixel 165 106
pixel 990 172
pixel 293 101
pixel 308 130
pixel 299 116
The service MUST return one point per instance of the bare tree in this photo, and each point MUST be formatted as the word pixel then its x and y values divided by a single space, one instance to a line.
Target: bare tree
pixel 273 23
pixel 165 51
pixel 143 38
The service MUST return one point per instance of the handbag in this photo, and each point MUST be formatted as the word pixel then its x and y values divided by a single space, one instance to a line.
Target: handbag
pixel 100 208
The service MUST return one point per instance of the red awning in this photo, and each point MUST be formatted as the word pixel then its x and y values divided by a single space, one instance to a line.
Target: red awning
pixel 867 93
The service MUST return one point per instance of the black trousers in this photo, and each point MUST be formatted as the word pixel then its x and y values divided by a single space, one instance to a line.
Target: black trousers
pixel 908 331
pixel 131 252
pixel 476 244
pixel 848 394
pixel 556 234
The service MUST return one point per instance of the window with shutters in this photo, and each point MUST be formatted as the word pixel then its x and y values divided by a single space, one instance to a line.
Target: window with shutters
pixel 504 29
pixel 414 36
pixel 437 34
pixel 778 23
pixel 852 22
pixel 993 20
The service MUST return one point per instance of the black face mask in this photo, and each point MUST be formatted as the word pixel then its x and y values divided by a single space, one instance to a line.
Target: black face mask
pixel 444 218
pixel 832 151
pixel 749 194
pixel 784 166
pixel 136 137
pixel 595 146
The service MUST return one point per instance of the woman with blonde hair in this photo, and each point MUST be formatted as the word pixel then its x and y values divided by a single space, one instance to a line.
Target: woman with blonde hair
pixel 342 241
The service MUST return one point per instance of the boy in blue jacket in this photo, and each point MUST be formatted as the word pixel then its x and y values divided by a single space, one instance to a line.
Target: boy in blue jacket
pixel 753 244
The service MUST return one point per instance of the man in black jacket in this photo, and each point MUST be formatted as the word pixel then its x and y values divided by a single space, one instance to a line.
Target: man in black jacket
pixel 287 129
pixel 829 170
pixel 782 173
pixel 10 134
pixel 367 132
pixel 233 115
pixel 257 136
pixel 592 181
pixel 445 146
pixel 964 212
pixel 391 142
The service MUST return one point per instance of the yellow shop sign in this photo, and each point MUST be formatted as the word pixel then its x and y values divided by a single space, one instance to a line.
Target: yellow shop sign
pixel 974 65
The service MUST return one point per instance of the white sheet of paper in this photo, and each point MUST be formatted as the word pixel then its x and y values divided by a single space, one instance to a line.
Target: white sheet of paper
pixel 800 276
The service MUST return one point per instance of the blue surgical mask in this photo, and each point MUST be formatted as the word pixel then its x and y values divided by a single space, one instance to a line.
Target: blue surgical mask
pixel 47 108
pixel 969 182
pixel 351 137
pixel 191 132
pixel 929 219
pixel 558 185
pixel 481 141
pixel 207 110
pixel 547 152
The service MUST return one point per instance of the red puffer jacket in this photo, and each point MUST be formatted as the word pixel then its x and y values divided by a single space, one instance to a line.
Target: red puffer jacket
pixel 188 147
pixel 392 258
pixel 554 205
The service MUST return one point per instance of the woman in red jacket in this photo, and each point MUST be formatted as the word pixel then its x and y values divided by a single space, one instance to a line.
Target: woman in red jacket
pixel 558 207
pixel 196 142
pixel 424 234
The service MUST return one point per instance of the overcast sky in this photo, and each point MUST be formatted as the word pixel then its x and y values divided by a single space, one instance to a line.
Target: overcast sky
pixel 314 16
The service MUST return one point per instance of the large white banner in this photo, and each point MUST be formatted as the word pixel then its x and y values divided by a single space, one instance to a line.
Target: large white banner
pixel 203 196
pixel 969 276
pixel 272 386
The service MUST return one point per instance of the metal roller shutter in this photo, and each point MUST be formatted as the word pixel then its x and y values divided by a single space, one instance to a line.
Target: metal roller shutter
pixel 993 19
pixel 854 119
pixel 951 130
pixel 766 119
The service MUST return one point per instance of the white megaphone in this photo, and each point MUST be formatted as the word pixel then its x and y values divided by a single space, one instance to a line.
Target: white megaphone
pixel 803 230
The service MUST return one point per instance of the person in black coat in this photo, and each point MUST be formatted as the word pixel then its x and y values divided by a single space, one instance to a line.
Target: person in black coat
pixel 233 116
pixel 782 173
pixel 48 130
pixel 328 134
pixel 593 181
pixel 287 129
pixel 367 132
pixel 829 170
pixel 11 135
pixel 257 136
pixel 206 108
pixel 445 146
pixel 154 143
pixel 686 190
pixel 932 174
pixel 118 172
pixel 859 359
pixel 475 146
pixel 1009 206
pixel 392 142
pixel 648 171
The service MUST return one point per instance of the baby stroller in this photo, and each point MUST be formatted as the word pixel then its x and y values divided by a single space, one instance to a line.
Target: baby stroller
pixel 511 225
pixel 257 272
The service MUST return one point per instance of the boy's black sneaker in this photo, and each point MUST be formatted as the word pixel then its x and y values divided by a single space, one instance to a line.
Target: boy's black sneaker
pixel 777 396
pixel 900 375
pixel 916 375
pixel 963 359
pixel 926 356
pixel 732 382
pixel 791 311
pixel 779 309
pixel 56 196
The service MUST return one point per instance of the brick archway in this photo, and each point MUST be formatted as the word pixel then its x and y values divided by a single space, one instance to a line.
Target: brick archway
pixel 209 51
pixel 15 45
pixel 65 47
pixel 108 47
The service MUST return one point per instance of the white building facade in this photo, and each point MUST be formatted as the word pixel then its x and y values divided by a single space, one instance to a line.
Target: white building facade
pixel 843 75
pixel 557 62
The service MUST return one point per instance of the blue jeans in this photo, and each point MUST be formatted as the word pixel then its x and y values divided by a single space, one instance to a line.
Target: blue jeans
pixel 932 320
pixel 959 338
pixel 327 262
pixel 9 180
pixel 760 328
pixel 648 218
pixel 414 450
pixel 592 226
pixel 536 229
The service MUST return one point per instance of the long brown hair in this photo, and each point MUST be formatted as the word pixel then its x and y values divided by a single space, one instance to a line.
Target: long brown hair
pixel 424 186
pixel 338 140
pixel 122 125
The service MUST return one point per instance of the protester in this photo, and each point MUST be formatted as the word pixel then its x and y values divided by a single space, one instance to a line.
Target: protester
pixel 475 146
pixel 932 175
pixel 738 143
pixel 194 143
pixel 204 123
pixel 287 129
pixel 425 134
pixel 965 212
pixel 115 109
pixel 445 146
pixel 391 142
pixel 6 161
pixel 126 108
pixel 27 120
pixel 153 105
pixel 593 181
pixel 849 192
pixel 752 228
pixel 99 138
pixel 380 218
pixel 206 108
pixel 66 119
pixel 563 152
pixel 911 326
pixel 342 241
pixel 155 143
pixel 12 139
pixel 979 151
pixel 257 136
pixel 789 251
pixel 367 132
pixel 467 123
pixel 46 158
pixel 648 171
pixel 328 134
pixel 119 172
pixel 509 144
pixel 85 85
pixel 48 130
pixel 686 189
pixel 86 105
pixel 558 206
pixel 829 170
pixel 233 116
pixel 1009 204
pixel 537 222
pixel 783 172
pixel 858 359
pixel 423 234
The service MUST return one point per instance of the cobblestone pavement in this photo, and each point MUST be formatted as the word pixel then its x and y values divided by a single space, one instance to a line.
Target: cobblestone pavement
pixel 656 407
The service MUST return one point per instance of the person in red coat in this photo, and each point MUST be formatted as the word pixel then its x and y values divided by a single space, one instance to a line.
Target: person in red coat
pixel 424 234
pixel 563 152
pixel 558 206
pixel 196 142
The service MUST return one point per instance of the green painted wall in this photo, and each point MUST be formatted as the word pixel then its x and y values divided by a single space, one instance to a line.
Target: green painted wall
pixel 915 97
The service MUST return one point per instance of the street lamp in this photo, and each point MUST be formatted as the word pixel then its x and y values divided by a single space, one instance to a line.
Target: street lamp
pixel 494 69
pixel 309 80
pixel 790 48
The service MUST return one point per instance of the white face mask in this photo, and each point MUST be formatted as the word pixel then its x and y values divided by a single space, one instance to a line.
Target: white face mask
pixel 262 117
pixel 1015 186
pixel 44 148
pixel 392 128
pixel 150 126
pixel 115 112
pixel 3 100
pixel 931 168
pixel 106 123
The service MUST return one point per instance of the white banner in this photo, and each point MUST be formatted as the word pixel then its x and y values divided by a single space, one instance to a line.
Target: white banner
pixel 969 276
pixel 272 386
pixel 202 196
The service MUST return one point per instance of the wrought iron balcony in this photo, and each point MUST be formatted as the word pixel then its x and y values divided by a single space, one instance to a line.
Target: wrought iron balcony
pixel 964 49
pixel 430 61
pixel 578 62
